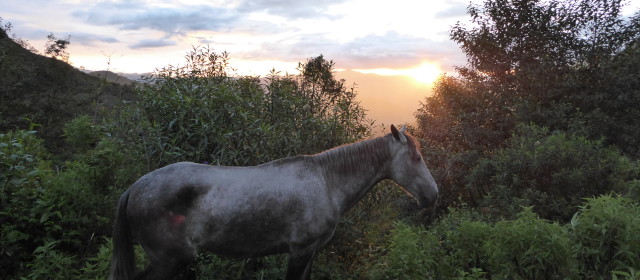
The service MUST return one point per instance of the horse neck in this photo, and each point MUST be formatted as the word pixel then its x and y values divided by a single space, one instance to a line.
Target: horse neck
pixel 352 170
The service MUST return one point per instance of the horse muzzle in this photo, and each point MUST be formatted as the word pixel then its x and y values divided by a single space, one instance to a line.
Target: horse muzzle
pixel 428 201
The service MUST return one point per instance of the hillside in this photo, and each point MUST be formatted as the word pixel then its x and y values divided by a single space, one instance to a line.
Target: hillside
pixel 49 92
pixel 112 77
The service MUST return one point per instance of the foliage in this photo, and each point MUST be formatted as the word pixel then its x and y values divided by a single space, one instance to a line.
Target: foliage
pixel 551 171
pixel 609 107
pixel 528 54
pixel 529 248
pixel 58 214
pixel 22 170
pixel 198 113
pixel 57 48
pixel 414 254
pixel 50 263
pixel 96 267
pixel 600 243
pixel 606 234
pixel 81 133
pixel 569 66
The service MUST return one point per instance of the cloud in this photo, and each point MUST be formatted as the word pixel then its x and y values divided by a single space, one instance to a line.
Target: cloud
pixel 454 11
pixel 390 50
pixel 152 43
pixel 285 30
pixel 397 52
pixel 290 9
pixel 91 39
pixel 171 20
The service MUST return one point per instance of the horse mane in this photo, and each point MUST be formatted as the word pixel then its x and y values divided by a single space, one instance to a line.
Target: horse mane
pixel 351 158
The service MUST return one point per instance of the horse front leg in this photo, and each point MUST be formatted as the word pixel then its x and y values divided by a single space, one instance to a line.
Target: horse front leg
pixel 299 267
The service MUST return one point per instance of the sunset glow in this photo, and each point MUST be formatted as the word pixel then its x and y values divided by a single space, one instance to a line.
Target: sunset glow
pixel 425 73
pixel 391 51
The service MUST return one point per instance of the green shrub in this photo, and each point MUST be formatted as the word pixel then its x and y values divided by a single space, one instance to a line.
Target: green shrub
pixel 23 169
pixel 465 245
pixel 81 133
pixel 414 254
pixel 529 248
pixel 462 246
pixel 550 171
pixel 606 234
pixel 56 214
pixel 72 209
pixel 441 252
pixel 97 267
pixel 198 113
pixel 50 263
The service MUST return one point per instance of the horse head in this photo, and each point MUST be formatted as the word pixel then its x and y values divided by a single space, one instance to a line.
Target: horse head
pixel 409 170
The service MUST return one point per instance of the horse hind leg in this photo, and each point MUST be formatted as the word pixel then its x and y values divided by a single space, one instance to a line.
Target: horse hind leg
pixel 299 267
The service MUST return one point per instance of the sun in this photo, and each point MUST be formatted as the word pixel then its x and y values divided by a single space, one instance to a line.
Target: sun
pixel 426 73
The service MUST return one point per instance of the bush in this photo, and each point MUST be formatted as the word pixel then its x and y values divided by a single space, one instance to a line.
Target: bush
pixel 437 253
pixel 414 254
pixel 81 133
pixel 199 113
pixel 529 248
pixel 551 171
pixel 52 219
pixel 23 169
pixel 461 246
pixel 50 263
pixel 465 244
pixel 605 232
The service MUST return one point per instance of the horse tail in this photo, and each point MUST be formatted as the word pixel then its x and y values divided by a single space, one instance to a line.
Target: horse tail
pixel 123 258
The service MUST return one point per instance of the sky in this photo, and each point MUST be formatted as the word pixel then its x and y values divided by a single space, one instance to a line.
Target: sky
pixel 391 50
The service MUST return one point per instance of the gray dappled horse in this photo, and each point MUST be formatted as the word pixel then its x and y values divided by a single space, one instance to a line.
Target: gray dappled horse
pixel 290 205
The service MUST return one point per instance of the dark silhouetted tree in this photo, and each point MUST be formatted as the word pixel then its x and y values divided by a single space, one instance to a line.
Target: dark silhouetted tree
pixel 566 65
pixel 57 48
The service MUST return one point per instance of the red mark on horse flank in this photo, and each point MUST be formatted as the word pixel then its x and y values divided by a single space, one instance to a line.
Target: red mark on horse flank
pixel 176 219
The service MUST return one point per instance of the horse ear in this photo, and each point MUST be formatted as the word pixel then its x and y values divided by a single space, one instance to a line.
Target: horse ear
pixel 403 128
pixel 398 135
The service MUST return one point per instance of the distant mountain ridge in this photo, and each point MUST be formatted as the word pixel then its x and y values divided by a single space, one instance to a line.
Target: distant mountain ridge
pixel 112 77
pixel 49 92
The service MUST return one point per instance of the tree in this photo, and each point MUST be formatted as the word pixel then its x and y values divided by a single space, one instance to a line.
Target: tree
pixel 569 66
pixel 535 60
pixel 57 48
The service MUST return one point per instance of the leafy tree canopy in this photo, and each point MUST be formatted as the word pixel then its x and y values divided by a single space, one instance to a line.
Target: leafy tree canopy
pixel 569 66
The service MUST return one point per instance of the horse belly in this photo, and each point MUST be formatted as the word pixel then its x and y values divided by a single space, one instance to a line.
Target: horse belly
pixel 242 238
pixel 272 226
